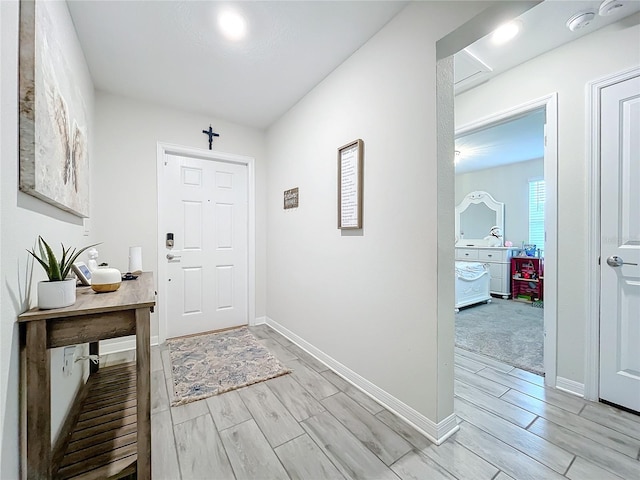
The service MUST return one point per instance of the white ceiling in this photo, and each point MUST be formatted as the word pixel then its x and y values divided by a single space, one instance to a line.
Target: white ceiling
pixel 543 29
pixel 515 141
pixel 171 53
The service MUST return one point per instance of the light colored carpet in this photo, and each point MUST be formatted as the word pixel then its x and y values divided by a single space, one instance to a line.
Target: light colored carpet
pixel 506 330
pixel 214 363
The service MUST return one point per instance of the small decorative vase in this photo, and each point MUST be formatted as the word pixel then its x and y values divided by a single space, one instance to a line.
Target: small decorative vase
pixel 56 294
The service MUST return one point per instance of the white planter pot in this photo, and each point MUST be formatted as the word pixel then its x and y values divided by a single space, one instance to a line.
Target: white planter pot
pixel 56 294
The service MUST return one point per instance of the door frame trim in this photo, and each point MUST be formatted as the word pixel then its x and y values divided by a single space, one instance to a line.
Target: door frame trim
pixel 592 331
pixel 550 104
pixel 164 149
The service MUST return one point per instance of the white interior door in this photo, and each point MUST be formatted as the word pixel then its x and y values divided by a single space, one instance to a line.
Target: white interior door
pixel 205 208
pixel 620 242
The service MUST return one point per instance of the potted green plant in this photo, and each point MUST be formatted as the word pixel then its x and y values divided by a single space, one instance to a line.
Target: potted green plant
pixel 58 291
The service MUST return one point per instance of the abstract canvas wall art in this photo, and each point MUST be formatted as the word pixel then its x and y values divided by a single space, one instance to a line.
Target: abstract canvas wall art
pixel 54 151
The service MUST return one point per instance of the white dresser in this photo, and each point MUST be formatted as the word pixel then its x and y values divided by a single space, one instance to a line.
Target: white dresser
pixel 499 261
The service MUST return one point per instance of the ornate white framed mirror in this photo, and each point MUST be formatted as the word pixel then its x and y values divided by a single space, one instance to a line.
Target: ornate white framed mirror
pixel 476 215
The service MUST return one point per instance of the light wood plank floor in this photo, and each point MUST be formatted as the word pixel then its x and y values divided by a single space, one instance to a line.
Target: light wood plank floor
pixel 312 425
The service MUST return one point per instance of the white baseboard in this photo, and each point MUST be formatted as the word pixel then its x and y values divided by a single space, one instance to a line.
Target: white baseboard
pixel 259 321
pixel 436 432
pixel 570 386
pixel 116 346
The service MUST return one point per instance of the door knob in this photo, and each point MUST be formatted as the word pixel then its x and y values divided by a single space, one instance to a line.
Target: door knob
pixel 616 261
pixel 171 256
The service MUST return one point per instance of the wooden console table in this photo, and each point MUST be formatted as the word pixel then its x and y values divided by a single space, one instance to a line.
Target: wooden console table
pixel 92 318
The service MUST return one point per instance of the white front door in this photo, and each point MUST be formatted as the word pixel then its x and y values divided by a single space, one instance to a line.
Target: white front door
pixel 205 208
pixel 620 242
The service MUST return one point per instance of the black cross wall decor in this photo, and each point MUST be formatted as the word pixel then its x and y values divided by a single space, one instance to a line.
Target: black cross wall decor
pixel 211 134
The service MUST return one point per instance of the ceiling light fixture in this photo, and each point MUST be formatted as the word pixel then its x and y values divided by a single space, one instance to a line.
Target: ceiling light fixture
pixel 506 32
pixel 580 20
pixel 610 6
pixel 232 25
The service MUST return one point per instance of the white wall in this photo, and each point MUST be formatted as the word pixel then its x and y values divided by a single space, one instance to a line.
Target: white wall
pixel 368 298
pixel 565 70
pixel 508 184
pixel 125 181
pixel 22 219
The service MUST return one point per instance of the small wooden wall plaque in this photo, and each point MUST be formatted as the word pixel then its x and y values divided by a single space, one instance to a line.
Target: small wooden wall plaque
pixel 291 198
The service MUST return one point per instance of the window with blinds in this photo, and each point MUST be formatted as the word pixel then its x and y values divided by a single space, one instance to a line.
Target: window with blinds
pixel 536 214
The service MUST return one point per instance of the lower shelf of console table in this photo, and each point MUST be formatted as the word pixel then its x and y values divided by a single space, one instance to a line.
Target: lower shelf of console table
pixel 101 440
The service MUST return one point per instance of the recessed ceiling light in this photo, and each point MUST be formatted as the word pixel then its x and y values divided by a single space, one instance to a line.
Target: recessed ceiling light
pixel 610 6
pixel 580 20
pixel 232 25
pixel 506 32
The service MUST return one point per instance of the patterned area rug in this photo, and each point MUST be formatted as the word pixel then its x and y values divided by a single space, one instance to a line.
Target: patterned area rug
pixel 506 330
pixel 214 363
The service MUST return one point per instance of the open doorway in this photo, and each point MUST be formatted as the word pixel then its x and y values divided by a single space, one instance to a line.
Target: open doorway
pixel 537 79
pixel 500 163
pixel 563 70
